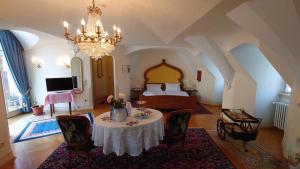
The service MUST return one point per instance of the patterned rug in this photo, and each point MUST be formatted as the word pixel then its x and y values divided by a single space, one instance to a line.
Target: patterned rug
pixel 43 128
pixel 199 152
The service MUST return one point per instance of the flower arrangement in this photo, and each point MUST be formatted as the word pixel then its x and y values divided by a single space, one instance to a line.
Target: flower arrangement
pixel 117 103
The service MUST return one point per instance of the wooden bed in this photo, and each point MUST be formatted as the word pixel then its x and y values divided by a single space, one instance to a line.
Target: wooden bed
pixel 161 74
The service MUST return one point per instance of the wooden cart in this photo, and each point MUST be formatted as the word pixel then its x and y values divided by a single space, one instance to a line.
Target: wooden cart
pixel 239 125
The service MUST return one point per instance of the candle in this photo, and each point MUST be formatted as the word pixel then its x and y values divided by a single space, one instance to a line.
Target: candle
pixel 98 27
pixel 119 32
pixel 66 25
pixel 82 25
pixel 79 32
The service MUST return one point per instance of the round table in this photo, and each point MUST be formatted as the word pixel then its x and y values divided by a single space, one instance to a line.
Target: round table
pixel 122 137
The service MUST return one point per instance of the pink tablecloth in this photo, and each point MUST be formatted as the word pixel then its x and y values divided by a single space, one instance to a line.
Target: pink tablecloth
pixel 54 97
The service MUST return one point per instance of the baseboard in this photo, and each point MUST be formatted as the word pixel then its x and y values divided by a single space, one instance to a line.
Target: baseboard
pixel 267 124
pixel 6 158
pixel 210 103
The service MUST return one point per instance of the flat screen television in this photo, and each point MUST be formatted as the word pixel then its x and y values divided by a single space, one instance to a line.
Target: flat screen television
pixel 59 84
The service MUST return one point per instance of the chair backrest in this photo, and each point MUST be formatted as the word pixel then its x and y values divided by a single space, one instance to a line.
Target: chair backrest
pixel 75 129
pixel 176 124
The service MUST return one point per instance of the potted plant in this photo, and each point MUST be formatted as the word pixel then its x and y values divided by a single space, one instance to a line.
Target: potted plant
pixel 37 109
pixel 119 111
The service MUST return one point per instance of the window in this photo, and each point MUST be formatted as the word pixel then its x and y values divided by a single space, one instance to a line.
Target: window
pixel 13 98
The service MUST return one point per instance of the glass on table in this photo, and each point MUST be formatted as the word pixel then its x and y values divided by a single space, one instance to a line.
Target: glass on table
pixel 140 103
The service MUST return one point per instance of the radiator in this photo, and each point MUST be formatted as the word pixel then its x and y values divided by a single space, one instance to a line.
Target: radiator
pixel 280 114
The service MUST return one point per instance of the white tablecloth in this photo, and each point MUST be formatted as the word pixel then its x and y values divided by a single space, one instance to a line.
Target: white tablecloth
pixel 121 138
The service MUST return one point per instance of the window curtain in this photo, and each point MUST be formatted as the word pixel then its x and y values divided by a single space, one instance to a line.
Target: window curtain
pixel 13 52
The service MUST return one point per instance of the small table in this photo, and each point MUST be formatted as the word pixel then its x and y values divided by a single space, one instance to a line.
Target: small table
pixel 59 97
pixel 121 137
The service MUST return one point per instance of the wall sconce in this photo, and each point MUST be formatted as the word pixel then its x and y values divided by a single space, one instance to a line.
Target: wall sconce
pixel 64 61
pixel 37 61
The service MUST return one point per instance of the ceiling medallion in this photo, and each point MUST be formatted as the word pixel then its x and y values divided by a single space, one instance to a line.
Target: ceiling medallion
pixel 91 37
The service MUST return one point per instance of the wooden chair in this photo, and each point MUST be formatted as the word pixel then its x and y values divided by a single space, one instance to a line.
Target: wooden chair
pixel 76 131
pixel 176 126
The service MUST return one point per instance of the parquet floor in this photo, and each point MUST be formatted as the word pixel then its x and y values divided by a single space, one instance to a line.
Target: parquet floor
pixel 30 154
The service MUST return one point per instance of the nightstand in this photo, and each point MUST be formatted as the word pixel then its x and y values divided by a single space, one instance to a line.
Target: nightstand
pixel 191 91
pixel 135 93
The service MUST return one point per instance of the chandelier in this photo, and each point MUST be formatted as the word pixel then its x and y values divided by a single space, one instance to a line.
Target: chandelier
pixel 91 37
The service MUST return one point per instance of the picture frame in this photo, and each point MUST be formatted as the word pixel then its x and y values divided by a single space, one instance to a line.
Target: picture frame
pixel 125 69
pixel 199 74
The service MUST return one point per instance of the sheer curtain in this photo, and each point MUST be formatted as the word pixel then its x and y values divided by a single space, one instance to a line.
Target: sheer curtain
pixel 13 52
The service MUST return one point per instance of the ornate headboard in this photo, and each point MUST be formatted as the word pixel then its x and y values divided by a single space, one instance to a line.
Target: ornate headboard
pixel 163 73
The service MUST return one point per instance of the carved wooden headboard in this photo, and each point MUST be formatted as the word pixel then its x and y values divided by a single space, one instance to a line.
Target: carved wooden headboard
pixel 163 73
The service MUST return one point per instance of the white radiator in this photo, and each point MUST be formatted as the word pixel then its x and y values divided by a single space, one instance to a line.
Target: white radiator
pixel 280 114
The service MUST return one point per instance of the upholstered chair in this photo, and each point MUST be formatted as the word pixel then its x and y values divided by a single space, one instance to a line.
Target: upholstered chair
pixel 76 131
pixel 176 126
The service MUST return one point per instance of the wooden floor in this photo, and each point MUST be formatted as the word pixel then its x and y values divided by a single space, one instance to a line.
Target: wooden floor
pixel 30 154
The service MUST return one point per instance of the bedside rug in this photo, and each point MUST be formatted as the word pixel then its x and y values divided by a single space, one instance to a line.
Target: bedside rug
pixel 43 128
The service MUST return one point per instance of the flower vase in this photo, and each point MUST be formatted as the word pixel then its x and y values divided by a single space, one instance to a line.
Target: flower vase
pixel 118 114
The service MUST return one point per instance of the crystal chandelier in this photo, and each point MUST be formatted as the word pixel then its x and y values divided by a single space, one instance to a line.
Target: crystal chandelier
pixel 91 38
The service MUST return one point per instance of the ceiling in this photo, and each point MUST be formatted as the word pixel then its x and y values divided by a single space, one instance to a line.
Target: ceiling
pixel 151 22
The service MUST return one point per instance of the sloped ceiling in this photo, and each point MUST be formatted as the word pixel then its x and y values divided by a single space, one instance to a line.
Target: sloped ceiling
pixel 155 22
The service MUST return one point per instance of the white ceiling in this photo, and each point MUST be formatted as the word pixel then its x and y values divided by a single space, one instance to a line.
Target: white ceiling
pixel 143 22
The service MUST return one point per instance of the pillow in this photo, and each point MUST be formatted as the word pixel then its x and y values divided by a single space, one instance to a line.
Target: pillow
pixel 154 87
pixel 173 87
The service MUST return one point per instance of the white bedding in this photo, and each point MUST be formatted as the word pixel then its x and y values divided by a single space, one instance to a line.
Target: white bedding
pixel 176 93
pixel 154 93
pixel 164 93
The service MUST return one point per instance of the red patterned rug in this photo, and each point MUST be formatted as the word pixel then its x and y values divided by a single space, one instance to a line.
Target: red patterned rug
pixel 199 152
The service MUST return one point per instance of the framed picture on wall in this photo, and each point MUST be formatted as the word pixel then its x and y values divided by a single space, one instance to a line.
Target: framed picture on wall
pixel 199 74
pixel 125 69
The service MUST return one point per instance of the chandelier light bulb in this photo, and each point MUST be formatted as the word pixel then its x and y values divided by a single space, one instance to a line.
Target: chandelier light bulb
pixel 98 23
pixel 115 27
pixel 78 31
pixel 82 22
pixel 119 30
pixel 66 25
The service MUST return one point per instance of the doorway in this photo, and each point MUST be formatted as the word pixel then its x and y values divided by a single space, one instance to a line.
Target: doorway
pixel 103 79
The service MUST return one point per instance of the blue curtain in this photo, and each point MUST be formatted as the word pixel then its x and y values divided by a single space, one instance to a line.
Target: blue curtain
pixel 13 52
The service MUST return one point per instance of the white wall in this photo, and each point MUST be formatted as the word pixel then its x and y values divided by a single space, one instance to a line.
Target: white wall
pixel 240 94
pixel 206 87
pixel 122 80
pixel 269 83
pixel 218 78
pixel 145 59
pixel 277 27
pixel 49 49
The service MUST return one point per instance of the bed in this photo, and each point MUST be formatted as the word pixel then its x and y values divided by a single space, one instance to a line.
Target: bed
pixel 172 95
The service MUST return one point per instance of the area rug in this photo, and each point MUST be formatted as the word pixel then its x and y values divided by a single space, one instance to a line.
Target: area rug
pixel 43 128
pixel 199 152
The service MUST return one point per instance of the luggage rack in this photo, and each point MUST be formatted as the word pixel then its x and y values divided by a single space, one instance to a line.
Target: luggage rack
pixel 239 125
